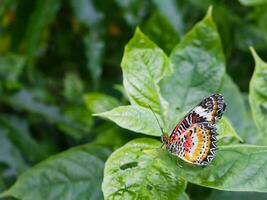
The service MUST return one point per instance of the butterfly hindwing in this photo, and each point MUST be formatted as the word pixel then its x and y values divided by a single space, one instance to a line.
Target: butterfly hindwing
pixel 194 138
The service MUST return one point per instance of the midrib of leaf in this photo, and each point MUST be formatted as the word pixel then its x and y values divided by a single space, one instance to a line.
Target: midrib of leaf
pixel 155 87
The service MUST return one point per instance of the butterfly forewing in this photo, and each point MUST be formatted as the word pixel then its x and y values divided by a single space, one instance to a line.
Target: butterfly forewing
pixel 194 138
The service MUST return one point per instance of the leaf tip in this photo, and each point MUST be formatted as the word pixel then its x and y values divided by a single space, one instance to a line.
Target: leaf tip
pixel 209 12
pixel 256 57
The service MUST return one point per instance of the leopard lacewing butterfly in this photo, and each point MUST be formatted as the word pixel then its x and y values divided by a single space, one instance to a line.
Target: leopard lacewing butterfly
pixel 194 138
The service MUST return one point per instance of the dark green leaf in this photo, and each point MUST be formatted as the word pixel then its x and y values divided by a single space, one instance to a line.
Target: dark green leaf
pixel 80 121
pixel 94 46
pixel 170 11
pixel 198 69
pixel 10 68
pixel 135 172
pixel 73 174
pixel 133 10
pixel 86 13
pixel 235 109
pixel 250 134
pixel 158 29
pixel 73 87
pixel 258 94
pixel 252 2
pixel 134 118
pixel 222 195
pixel 10 156
pixel 24 99
pixel 98 102
pixel 42 16
pixel 20 136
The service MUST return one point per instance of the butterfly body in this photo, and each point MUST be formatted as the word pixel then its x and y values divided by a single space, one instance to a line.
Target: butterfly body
pixel 194 138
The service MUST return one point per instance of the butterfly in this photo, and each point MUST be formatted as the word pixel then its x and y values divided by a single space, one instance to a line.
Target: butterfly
pixel 194 138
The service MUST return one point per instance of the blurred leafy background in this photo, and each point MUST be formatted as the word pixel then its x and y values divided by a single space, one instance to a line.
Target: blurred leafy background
pixel 60 63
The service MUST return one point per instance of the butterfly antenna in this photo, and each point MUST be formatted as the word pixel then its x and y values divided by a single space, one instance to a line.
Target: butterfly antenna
pixel 156 119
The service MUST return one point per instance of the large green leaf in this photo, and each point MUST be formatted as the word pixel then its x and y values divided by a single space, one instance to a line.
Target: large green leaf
pixel 74 174
pixel 144 64
pixel 135 172
pixel 198 68
pixel 258 94
pixel 134 118
pixel 235 168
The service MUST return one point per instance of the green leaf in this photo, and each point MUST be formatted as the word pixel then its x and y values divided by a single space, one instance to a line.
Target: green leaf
pixel 94 49
pixel 98 102
pixel 19 134
pixel 235 109
pixel 198 68
pixel 226 130
pixel 24 99
pixel 134 172
pixel 86 13
pixel 74 174
pixel 72 122
pixel 73 87
pixel 258 94
pixel 10 156
pixel 134 118
pixel 170 11
pixel 252 2
pixel 10 69
pixel 80 121
pixel 133 11
pixel 235 168
pixel 144 64
pixel 112 136
pixel 158 29
pixel 251 134
pixel 42 16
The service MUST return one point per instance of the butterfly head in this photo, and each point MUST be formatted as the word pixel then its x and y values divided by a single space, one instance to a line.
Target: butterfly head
pixel 165 139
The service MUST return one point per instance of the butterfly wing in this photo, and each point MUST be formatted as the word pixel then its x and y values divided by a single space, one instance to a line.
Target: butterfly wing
pixel 194 138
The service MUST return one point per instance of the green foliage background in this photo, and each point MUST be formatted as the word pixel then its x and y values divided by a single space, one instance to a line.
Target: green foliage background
pixel 62 63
